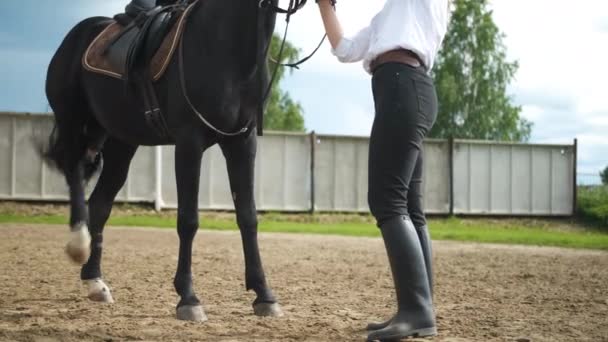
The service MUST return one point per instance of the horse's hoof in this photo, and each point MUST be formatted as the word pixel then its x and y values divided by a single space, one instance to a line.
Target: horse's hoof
pixel 268 310
pixel 79 247
pixel 99 291
pixel 193 313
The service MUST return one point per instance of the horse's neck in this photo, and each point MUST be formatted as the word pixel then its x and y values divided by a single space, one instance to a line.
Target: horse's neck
pixel 238 27
pixel 224 54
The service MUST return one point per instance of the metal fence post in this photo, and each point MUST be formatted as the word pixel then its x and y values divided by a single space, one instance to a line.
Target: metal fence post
pixel 14 156
pixel 574 185
pixel 451 172
pixel 313 144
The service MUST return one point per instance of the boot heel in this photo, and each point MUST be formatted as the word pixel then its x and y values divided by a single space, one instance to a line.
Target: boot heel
pixel 427 332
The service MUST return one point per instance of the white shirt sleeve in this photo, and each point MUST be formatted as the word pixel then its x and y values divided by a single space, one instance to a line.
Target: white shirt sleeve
pixel 354 49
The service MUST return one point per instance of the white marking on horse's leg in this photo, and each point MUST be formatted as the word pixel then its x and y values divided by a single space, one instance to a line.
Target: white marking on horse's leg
pixel 98 291
pixel 79 247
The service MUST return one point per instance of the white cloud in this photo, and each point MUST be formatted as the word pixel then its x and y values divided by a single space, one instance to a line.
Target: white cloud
pixel 357 120
pixel 601 24
pixel 600 120
pixel 306 29
pixel 560 45
pixel 561 82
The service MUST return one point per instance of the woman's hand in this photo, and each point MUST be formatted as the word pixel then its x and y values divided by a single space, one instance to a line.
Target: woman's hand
pixel 330 21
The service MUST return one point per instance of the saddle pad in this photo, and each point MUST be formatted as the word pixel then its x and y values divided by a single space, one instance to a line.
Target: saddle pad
pixel 94 61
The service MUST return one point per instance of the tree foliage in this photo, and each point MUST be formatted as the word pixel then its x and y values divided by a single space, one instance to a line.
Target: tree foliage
pixel 604 176
pixel 282 112
pixel 472 74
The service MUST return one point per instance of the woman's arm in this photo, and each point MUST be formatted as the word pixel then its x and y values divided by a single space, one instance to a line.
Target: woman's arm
pixel 331 23
pixel 347 50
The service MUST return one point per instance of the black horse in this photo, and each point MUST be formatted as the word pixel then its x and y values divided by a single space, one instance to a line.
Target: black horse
pixel 225 46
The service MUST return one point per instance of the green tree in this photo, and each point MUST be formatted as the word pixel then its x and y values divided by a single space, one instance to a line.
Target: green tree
pixel 472 74
pixel 604 176
pixel 282 112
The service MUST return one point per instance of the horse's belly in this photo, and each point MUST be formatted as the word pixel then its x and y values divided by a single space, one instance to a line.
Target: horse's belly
pixel 118 110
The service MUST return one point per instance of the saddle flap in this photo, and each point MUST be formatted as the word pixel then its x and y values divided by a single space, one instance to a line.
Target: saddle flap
pixel 118 53
pixel 113 51
pixel 138 42
pixel 135 7
pixel 155 35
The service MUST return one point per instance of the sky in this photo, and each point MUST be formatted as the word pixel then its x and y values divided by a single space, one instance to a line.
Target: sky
pixel 562 50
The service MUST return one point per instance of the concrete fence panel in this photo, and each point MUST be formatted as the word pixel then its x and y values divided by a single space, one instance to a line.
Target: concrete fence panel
pixel 294 172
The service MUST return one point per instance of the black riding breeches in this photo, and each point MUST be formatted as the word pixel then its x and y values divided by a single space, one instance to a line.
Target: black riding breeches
pixel 406 109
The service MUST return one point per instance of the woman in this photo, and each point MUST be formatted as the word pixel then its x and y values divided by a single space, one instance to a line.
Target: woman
pixel 398 48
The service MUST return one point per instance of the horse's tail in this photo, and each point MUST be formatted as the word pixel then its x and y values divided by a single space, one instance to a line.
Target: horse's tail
pixel 68 142
pixel 65 157
pixel 55 152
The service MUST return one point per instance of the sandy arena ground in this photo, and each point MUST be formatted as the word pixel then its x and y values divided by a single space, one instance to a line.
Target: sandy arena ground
pixel 330 287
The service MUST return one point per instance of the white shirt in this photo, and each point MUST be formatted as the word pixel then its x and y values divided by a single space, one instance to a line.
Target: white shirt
pixel 416 25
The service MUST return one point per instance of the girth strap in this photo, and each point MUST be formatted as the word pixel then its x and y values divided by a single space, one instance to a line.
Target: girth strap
pixel 152 112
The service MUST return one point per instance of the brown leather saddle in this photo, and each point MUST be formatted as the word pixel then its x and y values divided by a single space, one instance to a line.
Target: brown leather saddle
pixel 137 47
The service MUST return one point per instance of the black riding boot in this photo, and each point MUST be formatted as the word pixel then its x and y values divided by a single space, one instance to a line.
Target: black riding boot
pixel 415 316
pixel 427 251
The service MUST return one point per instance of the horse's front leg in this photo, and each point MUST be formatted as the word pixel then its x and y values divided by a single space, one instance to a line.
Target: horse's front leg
pixel 188 156
pixel 240 158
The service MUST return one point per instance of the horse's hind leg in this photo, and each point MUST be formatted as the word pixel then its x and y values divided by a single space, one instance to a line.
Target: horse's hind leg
pixel 68 144
pixel 96 137
pixel 80 239
pixel 240 159
pixel 117 157
pixel 69 152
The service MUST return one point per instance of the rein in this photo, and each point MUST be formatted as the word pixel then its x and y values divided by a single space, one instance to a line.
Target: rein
pixel 294 6
pixel 182 81
pixel 298 5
